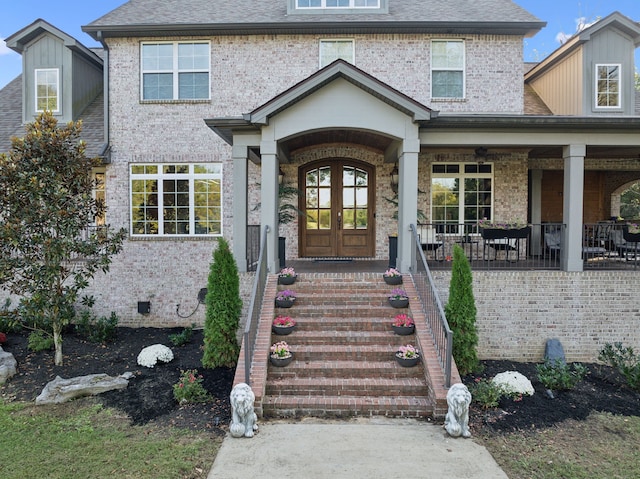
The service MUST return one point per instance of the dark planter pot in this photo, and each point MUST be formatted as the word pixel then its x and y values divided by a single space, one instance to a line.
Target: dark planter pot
pixel 282 330
pixel 284 303
pixel 407 363
pixel 393 280
pixel 281 362
pixel 403 330
pixel 399 303
pixel 497 233
pixel 287 279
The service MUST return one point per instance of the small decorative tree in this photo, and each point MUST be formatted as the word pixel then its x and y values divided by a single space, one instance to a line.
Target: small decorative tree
pixel 461 313
pixel 224 306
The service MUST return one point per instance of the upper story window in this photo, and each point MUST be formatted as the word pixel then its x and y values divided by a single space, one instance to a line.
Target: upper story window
pixel 461 195
pixel 331 50
pixel 47 89
pixel 608 86
pixel 337 3
pixel 176 199
pixel 175 71
pixel 99 194
pixel 447 69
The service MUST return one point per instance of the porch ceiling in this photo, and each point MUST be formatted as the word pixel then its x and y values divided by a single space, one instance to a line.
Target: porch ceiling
pixel 603 152
pixel 363 138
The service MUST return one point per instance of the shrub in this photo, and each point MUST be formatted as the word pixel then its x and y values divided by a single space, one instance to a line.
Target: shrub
pixel 96 330
pixel 460 312
pixel 189 388
pixel 624 360
pixel 39 341
pixel 559 376
pixel 180 339
pixel 224 306
pixel 9 319
pixel 486 393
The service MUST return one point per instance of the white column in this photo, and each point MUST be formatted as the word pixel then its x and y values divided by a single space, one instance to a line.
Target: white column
pixel 239 194
pixel 536 211
pixel 572 206
pixel 407 199
pixel 269 201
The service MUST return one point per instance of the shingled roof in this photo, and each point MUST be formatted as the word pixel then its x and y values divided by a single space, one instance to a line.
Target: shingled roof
pixel 148 17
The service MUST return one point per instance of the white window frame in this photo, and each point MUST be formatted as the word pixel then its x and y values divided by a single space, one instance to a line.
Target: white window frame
pixel 352 4
pixel 461 69
pixel 461 175
pixel 99 192
pixel 597 81
pixel 326 41
pixel 57 86
pixel 175 71
pixel 161 175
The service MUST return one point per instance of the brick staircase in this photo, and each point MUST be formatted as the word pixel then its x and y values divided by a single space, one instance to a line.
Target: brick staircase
pixel 344 353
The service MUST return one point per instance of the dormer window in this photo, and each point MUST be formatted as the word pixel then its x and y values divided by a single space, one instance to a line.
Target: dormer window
pixel 341 7
pixel 608 86
pixel 47 89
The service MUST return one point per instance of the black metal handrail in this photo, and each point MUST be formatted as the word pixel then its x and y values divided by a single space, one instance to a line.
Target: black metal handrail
pixel 255 306
pixel 432 307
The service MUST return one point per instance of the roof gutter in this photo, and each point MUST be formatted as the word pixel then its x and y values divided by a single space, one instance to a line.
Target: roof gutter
pixel 105 149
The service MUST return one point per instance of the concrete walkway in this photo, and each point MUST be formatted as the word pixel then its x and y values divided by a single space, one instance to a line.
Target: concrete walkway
pixel 368 448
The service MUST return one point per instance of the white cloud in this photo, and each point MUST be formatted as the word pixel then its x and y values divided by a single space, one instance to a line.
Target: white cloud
pixel 562 37
pixel 4 50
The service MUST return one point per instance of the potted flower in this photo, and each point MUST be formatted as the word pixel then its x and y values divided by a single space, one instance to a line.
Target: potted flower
pixel 403 325
pixel 398 298
pixel 392 276
pixel 285 299
pixel 407 356
pixel 631 232
pixel 287 276
pixel 283 325
pixel 280 355
pixel 499 230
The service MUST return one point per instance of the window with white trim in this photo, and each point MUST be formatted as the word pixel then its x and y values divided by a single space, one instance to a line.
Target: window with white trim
pixel 461 194
pixel 99 193
pixel 331 50
pixel 337 3
pixel 447 69
pixel 175 71
pixel 47 89
pixel 176 199
pixel 608 86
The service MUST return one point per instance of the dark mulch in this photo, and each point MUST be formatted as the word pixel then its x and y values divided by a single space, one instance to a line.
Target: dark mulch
pixel 149 396
pixel 602 390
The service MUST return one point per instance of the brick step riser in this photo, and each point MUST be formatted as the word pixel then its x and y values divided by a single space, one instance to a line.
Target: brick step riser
pixel 335 413
pixel 285 390
pixel 391 372
pixel 383 356
pixel 331 340
pixel 286 406
pixel 310 311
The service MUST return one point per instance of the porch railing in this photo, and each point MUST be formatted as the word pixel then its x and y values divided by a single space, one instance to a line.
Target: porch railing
pixel 432 308
pixel 253 246
pixel 255 306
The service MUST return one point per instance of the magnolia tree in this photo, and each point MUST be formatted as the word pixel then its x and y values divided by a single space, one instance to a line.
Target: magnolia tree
pixel 48 250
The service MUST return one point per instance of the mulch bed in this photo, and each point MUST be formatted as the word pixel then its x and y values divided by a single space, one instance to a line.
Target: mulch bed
pixel 149 396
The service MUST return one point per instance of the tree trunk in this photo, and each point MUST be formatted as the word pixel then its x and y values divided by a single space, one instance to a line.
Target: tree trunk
pixel 57 341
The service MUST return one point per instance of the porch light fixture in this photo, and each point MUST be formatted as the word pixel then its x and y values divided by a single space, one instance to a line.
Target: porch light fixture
pixel 280 176
pixel 395 178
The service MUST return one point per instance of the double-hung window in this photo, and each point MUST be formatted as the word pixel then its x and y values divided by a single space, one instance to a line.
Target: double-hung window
pixel 47 89
pixel 461 194
pixel 176 199
pixel 175 71
pixel 608 86
pixel 337 3
pixel 331 50
pixel 447 69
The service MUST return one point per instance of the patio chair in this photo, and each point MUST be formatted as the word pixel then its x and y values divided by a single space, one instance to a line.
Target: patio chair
pixel 430 240
pixel 624 248
pixel 552 244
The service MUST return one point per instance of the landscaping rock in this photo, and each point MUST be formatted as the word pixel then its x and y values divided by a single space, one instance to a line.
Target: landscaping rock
pixel 8 365
pixel 61 390
pixel 514 382
pixel 554 352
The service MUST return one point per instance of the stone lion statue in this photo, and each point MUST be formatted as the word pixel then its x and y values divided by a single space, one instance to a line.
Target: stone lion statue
pixel 243 418
pixel 456 422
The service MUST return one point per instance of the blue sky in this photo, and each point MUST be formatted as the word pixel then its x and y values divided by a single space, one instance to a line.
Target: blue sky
pixel 69 15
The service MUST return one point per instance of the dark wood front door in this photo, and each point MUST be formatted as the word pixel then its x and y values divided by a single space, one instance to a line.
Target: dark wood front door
pixel 338 200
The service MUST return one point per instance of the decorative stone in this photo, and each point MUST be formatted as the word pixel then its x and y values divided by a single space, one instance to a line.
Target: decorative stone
pixel 62 390
pixel 8 366
pixel 513 382
pixel 243 418
pixel 554 352
pixel 456 422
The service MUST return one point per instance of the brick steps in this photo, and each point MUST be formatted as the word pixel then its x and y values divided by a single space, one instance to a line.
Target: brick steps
pixel 344 354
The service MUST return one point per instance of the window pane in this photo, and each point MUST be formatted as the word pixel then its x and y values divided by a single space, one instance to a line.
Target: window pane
pixel 157 56
pixel 312 198
pixel 348 219
pixel 325 219
pixel 325 198
pixel 312 178
pixel 193 85
pixel 348 198
pixel 312 219
pixel 325 176
pixel 348 176
pixel 362 197
pixel 193 56
pixel 157 86
pixel 361 219
pixel 447 84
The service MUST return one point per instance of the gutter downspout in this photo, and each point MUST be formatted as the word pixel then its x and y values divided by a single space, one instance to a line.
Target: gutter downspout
pixel 105 151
